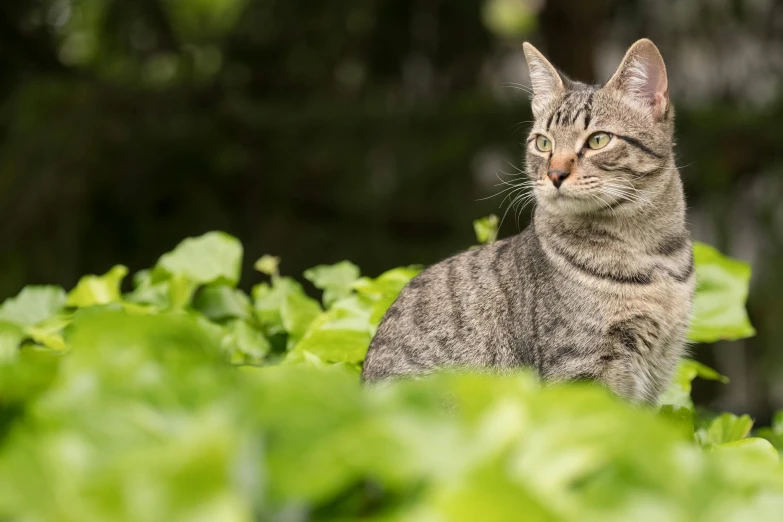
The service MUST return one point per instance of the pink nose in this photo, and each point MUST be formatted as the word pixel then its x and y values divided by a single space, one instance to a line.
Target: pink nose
pixel 557 176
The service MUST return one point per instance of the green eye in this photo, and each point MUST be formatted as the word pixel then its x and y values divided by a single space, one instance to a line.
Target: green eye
pixel 599 140
pixel 543 144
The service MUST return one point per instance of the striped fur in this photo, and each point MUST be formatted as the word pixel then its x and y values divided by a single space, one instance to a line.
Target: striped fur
pixel 600 285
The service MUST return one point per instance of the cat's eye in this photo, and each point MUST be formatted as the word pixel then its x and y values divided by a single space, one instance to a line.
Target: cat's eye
pixel 599 140
pixel 543 143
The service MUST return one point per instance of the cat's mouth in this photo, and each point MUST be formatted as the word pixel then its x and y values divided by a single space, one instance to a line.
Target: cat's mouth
pixel 571 202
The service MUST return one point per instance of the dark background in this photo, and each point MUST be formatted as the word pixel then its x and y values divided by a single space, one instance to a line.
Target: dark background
pixel 362 129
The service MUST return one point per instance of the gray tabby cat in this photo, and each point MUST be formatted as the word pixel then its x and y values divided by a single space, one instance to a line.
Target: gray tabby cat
pixel 600 285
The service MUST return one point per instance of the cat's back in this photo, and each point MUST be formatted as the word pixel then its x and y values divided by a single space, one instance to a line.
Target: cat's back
pixel 458 312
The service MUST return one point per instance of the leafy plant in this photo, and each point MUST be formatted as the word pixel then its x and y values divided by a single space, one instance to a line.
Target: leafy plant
pixel 188 399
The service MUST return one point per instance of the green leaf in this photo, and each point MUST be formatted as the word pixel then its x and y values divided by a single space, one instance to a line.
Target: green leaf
pixel 335 280
pixel 725 428
pixel 94 290
pixel 297 312
pixel 774 433
pixel 33 305
pixel 383 290
pixel 486 229
pixel 219 302
pixel 49 332
pixel 268 265
pixel 341 335
pixel 215 257
pixel 244 345
pixel 284 306
pixel 11 336
pixel 721 291
pixel 678 395
pixel 753 447
pixel 171 293
pixel 180 291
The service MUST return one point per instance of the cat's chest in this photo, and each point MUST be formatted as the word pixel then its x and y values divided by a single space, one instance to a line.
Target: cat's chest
pixel 587 310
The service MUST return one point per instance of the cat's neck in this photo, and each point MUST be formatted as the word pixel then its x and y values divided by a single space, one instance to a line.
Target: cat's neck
pixel 659 216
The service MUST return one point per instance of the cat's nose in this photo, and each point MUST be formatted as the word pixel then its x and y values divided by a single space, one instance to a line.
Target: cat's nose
pixel 557 176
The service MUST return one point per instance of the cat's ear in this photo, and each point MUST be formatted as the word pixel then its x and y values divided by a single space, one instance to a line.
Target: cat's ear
pixel 642 75
pixel 545 79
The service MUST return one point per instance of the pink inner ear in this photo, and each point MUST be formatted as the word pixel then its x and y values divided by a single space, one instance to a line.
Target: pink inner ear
pixel 646 78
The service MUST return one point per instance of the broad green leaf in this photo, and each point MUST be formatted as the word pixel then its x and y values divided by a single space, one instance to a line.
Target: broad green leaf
pixel 219 302
pixel 678 395
pixel 681 417
pixel 150 294
pixel 244 344
pixel 725 428
pixel 33 305
pixel 11 336
pixel 721 291
pixel 335 280
pixel 180 291
pixel 170 293
pixel 215 257
pixel 774 433
pixel 49 332
pixel 342 334
pixel 753 446
pixel 383 290
pixel 297 312
pixel 486 229
pixel 94 290
pixel 272 304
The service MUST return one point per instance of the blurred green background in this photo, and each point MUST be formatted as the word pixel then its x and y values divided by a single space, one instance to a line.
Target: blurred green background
pixel 367 130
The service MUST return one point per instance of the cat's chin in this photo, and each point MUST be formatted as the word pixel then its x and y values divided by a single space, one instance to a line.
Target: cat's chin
pixel 564 203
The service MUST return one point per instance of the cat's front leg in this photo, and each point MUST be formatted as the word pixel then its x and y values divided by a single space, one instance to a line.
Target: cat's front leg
pixel 638 362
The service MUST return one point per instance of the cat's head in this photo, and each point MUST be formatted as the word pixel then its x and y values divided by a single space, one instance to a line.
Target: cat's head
pixel 601 149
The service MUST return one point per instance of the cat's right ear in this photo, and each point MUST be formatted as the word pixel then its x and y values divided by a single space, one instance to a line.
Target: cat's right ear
pixel 545 79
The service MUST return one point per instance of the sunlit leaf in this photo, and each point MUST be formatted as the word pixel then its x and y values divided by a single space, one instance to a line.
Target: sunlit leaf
pixel 678 394
pixel 219 302
pixel 340 335
pixel 214 257
pixel 721 291
pixel 725 428
pixel 335 280
pixel 97 290
pixel 486 229
pixel 383 290
pixel 33 305
pixel 11 336
pixel 244 344
pixel 753 446
pixel 268 265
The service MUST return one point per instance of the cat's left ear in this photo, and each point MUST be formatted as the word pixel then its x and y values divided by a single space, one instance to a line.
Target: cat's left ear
pixel 545 79
pixel 642 75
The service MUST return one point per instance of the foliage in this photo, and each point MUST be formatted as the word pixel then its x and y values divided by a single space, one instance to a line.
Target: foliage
pixel 720 299
pixel 188 399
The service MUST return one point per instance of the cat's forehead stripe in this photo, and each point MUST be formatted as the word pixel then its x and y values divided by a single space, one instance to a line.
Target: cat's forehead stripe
pixel 574 104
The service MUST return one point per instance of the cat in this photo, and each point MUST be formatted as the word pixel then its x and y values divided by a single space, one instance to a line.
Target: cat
pixel 600 285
